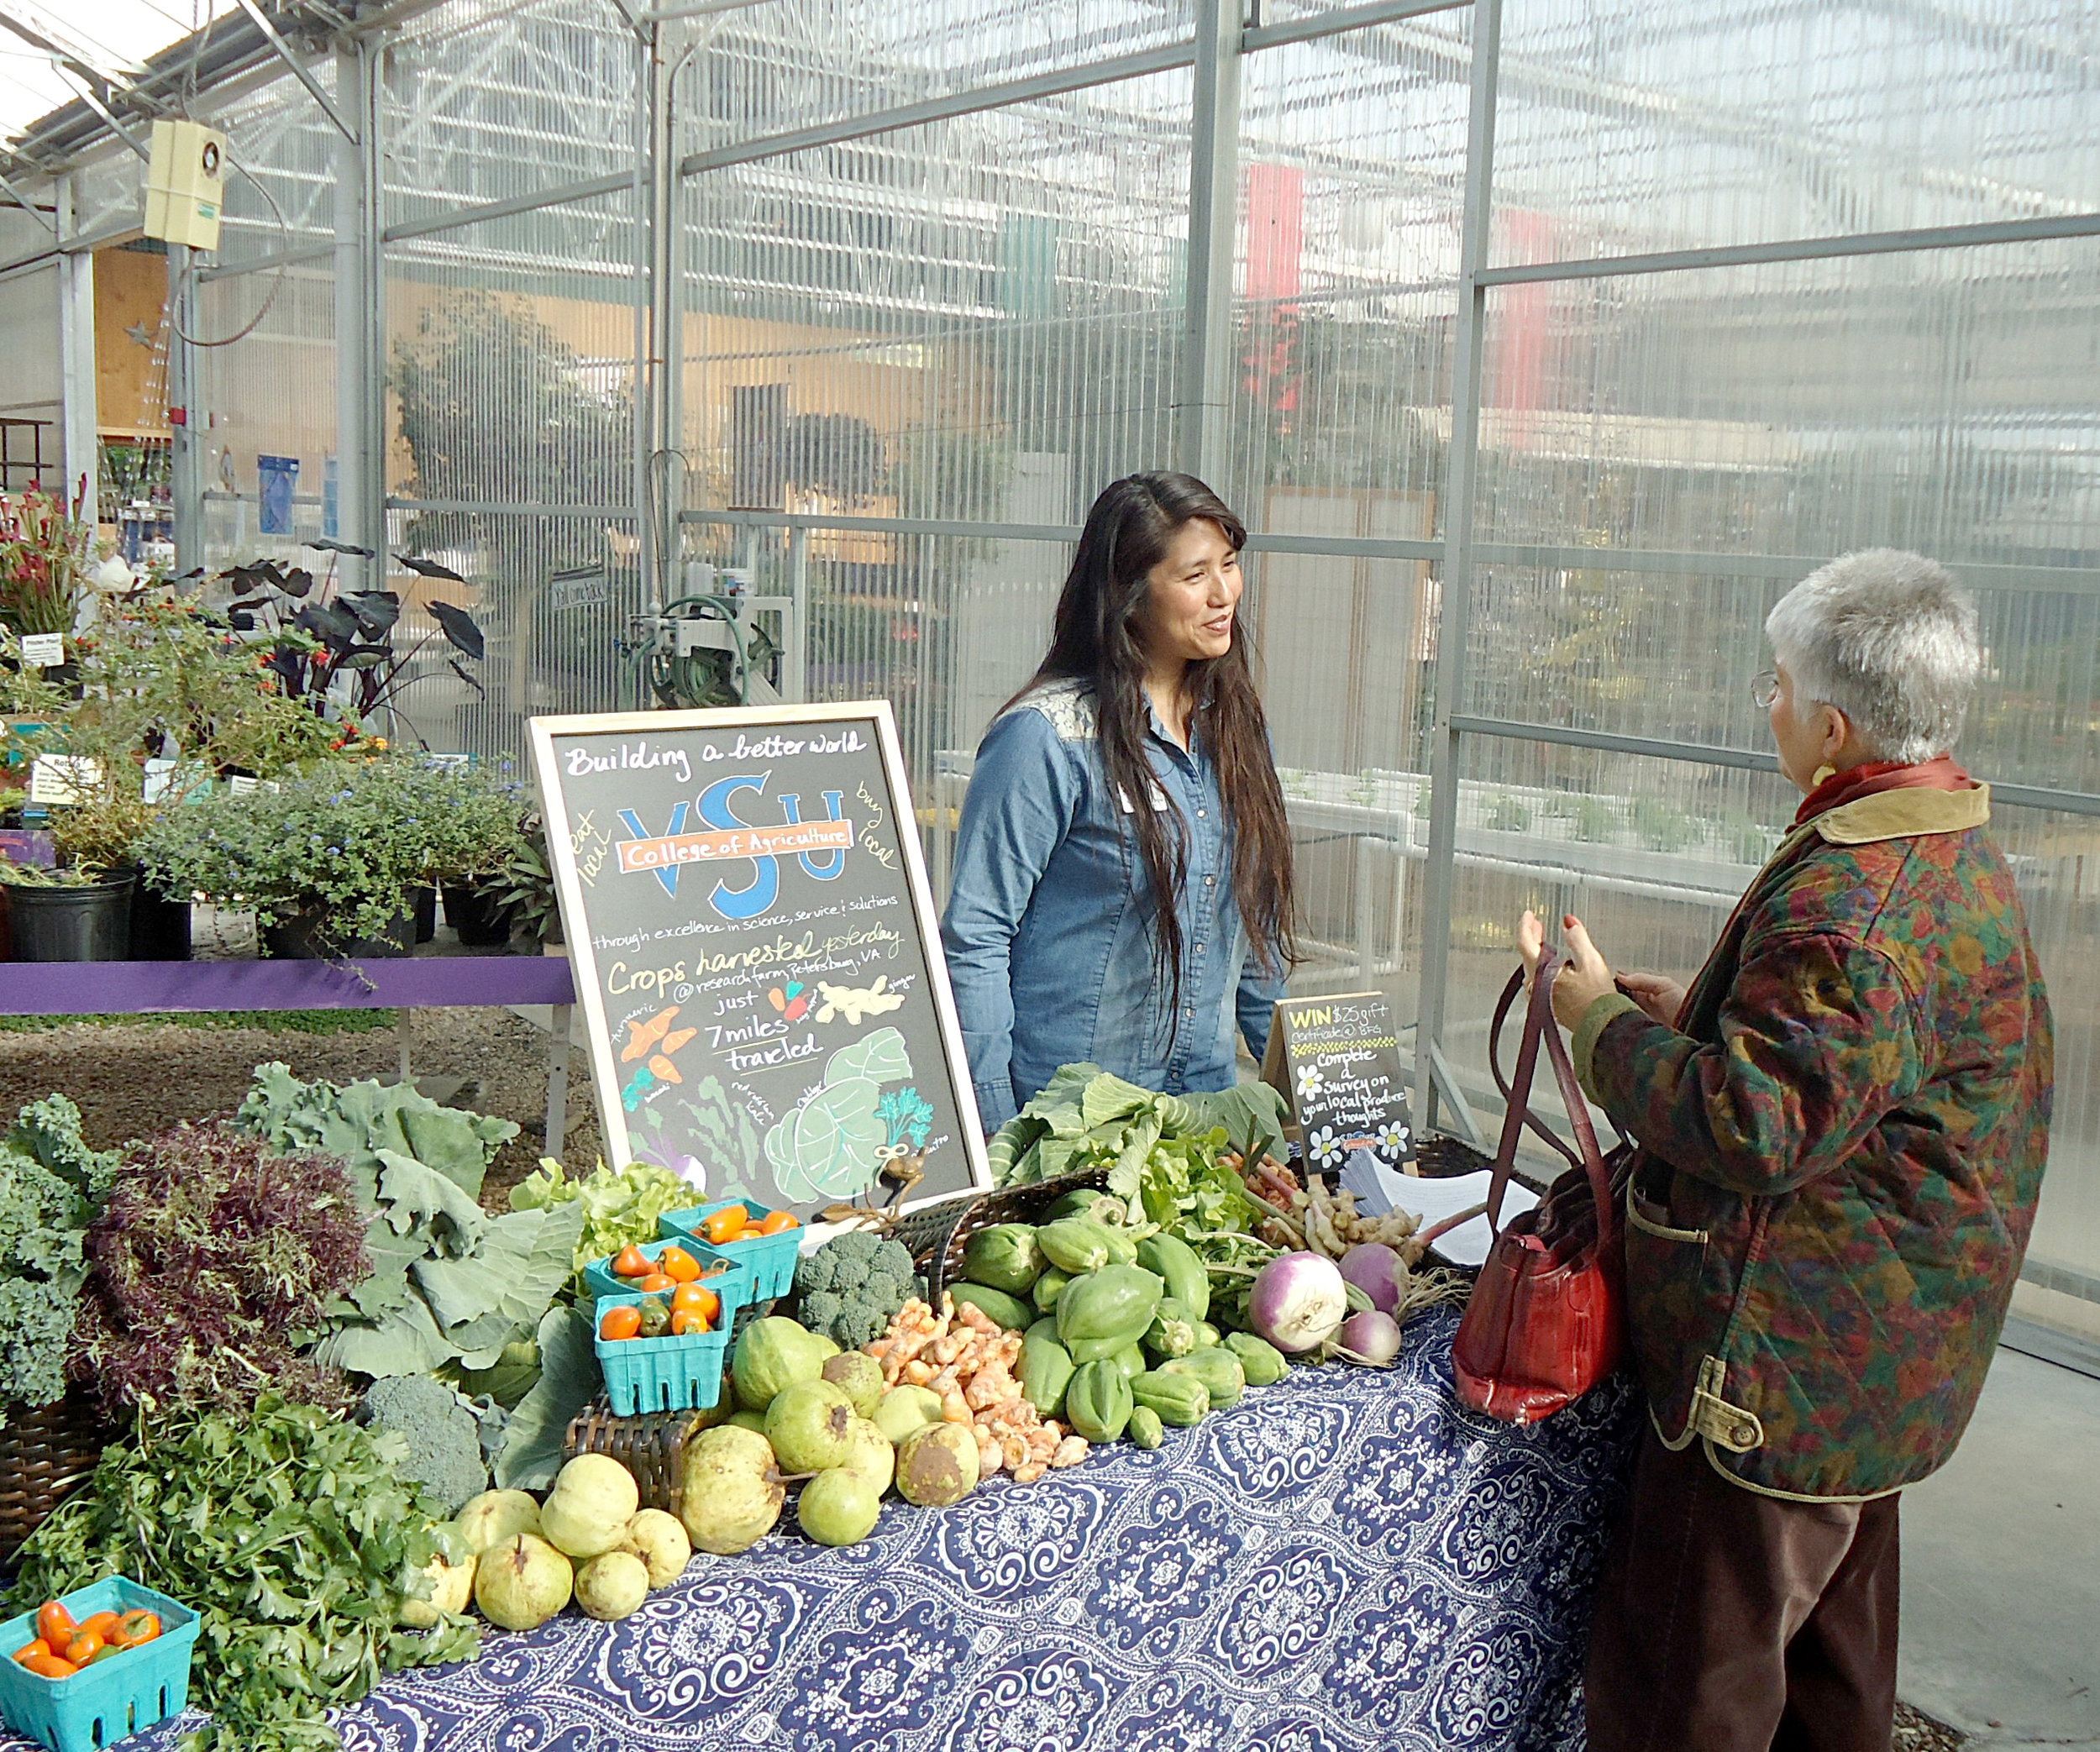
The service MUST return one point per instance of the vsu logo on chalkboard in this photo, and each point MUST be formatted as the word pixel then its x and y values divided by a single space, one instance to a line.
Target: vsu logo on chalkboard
pixel 820 847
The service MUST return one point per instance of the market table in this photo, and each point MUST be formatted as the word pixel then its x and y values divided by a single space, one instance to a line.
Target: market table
pixel 1344 1561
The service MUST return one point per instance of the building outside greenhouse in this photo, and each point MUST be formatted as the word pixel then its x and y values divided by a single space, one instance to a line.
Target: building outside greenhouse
pixel 1541 346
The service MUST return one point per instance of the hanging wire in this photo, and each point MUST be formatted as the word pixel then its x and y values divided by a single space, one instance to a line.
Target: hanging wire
pixel 276 283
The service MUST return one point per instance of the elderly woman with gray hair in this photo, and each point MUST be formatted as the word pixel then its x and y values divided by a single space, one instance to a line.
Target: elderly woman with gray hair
pixel 1842 1128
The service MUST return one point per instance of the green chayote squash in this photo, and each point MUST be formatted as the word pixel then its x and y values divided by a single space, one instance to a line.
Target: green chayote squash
pixel 1048 1287
pixel 1117 1302
pixel 1131 1361
pixel 1102 1206
pixel 1207 1335
pixel 1218 1369
pixel 1172 1332
pixel 1011 1312
pixel 1004 1257
pixel 1175 1261
pixel 1182 1400
pixel 1047 1368
pixel 1122 1245
pixel 1145 1428
pixel 1097 1401
pixel 1262 1361
pixel 1075 1244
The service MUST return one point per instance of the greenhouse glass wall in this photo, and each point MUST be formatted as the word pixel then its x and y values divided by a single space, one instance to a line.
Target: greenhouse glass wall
pixel 1541 344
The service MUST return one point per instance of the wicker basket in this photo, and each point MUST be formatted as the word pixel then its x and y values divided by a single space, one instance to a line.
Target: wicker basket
pixel 44 1454
pixel 942 1257
pixel 652 1446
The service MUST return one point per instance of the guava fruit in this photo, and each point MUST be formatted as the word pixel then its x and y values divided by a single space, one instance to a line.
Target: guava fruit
pixel 838 1507
pixel 906 1408
pixel 732 1494
pixel 861 1375
pixel 660 1541
pixel 868 1455
pixel 523 1582
pixel 611 1586
pixel 451 1591
pixel 937 1466
pixel 753 1420
pixel 588 1510
pixel 773 1354
pixel 807 1423
pixel 494 1516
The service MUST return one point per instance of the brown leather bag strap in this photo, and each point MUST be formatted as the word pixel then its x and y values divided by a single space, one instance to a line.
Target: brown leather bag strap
pixel 1535 1017
pixel 1517 1090
pixel 1600 1185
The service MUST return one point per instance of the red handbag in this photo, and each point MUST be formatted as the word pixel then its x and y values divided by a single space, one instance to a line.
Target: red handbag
pixel 1546 1320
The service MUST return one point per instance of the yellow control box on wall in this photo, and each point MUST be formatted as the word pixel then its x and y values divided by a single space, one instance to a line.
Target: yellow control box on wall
pixel 186 183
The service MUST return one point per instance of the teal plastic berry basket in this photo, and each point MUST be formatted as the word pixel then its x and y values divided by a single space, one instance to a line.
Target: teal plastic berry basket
pixel 110 1699
pixel 660 1374
pixel 770 1257
pixel 726 1277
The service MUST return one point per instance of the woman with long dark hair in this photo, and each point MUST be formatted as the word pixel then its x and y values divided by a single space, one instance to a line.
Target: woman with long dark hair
pixel 1122 882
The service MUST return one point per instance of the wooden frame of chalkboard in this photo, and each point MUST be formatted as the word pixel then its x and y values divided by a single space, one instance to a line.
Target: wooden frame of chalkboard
pixel 768 1035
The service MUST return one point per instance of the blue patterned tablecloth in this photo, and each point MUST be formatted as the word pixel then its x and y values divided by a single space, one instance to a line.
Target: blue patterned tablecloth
pixel 1345 1561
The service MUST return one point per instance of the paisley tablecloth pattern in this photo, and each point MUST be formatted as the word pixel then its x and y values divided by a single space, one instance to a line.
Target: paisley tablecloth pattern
pixel 1347 1560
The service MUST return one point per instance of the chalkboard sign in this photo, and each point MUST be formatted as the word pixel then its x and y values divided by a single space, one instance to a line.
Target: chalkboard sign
pixel 756 950
pixel 1337 1060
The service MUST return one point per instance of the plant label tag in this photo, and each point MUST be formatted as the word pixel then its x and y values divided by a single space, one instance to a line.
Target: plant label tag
pixel 43 650
pixel 158 774
pixel 241 785
pixel 63 777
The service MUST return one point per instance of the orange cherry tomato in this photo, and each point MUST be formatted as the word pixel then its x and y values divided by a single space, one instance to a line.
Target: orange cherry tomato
pixel 100 1622
pixel 727 1224
pixel 55 1625
pixel 656 1284
pixel 136 1626
pixel 677 1265
pixel 622 1322
pixel 685 1320
pixel 51 1665
pixel 35 1645
pixel 779 1223
pixel 84 1648
pixel 631 1261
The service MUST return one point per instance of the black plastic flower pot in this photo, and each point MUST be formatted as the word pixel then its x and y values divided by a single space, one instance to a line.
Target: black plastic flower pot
pixel 160 925
pixel 425 900
pixel 91 922
pixel 307 935
pixel 481 919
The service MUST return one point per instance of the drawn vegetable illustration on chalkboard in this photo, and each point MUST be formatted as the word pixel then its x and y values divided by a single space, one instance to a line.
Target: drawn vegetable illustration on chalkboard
pixel 643 1033
pixel 659 1070
pixel 730 1145
pixel 857 1002
pixel 792 1000
pixel 831 1146
pixel 910 1117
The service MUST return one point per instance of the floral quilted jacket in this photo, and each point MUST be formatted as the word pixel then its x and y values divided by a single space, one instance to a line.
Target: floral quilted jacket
pixel 1843 1141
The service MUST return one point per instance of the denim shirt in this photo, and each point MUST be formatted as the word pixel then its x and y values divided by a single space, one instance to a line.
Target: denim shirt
pixel 1049 928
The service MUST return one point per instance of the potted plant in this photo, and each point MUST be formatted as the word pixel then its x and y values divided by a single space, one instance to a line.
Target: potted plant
pixel 522 890
pixel 484 837
pixel 43 553
pixel 328 857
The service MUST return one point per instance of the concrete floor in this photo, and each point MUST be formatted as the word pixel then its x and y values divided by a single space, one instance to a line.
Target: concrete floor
pixel 2001 1556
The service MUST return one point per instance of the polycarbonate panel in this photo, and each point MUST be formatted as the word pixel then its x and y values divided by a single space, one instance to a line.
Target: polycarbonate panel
pixel 976 320
pixel 108 191
pixel 270 393
pixel 1636 125
pixel 489 100
pixel 30 385
pixel 1351 176
pixel 284 158
pixel 790 64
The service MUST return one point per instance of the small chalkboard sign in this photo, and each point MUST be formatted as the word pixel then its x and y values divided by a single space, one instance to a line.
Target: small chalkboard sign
pixel 757 953
pixel 1337 1060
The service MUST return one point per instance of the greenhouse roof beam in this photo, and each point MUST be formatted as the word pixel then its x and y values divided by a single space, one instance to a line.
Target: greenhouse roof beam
pixel 285 53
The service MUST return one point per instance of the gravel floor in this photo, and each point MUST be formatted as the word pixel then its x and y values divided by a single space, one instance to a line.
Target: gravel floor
pixel 137 1077
pixel 1916 1733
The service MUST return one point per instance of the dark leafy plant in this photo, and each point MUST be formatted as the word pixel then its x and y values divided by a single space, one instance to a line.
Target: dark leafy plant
pixel 51 1184
pixel 210 1260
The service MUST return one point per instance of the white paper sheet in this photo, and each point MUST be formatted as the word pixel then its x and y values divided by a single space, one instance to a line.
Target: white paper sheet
pixel 1379 1188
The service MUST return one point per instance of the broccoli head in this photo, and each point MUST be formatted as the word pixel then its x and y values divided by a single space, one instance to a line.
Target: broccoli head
pixel 442 1432
pixel 882 1291
pixel 821 1311
pixel 893 1257
pixel 852 1286
pixel 816 1273
pixel 861 1323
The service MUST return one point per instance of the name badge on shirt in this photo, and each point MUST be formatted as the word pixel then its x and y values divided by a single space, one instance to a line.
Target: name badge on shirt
pixel 1158 799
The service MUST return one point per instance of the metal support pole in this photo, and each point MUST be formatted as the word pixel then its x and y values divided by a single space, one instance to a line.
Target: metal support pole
pixel 557 1078
pixel 1214 213
pixel 371 164
pixel 1455 619
pixel 656 526
pixel 185 417
pixel 356 377
pixel 794 670
pixel 76 362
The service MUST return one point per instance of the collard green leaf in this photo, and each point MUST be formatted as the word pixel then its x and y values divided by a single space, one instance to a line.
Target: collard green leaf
pixel 880 1057
pixel 825 1148
pixel 569 1380
pixel 417 1198
pixel 1107 1098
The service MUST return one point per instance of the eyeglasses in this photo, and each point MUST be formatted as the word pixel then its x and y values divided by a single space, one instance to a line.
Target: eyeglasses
pixel 1764 687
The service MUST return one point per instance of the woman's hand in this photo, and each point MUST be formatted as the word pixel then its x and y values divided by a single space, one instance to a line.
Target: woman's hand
pixel 1660 999
pixel 1582 981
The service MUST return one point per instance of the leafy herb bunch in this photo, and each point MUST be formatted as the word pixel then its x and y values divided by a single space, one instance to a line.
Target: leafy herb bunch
pixel 291 1534
pixel 353 835
pixel 212 1259
pixel 50 1185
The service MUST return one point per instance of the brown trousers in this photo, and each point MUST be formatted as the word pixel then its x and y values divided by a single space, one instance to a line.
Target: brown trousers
pixel 1731 1621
